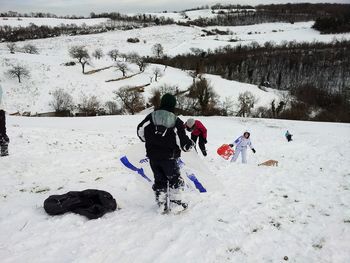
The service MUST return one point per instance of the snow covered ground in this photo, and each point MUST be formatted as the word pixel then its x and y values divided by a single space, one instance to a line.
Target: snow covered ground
pixel 48 72
pixel 299 209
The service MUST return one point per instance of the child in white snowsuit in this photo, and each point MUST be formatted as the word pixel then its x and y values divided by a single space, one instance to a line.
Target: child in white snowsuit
pixel 242 143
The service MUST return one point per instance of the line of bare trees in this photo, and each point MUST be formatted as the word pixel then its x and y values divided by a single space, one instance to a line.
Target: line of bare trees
pixel 285 66
pixel 27 48
pixel 82 55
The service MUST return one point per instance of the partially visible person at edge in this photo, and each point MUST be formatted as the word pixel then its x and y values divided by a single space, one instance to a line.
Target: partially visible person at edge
pixel 4 139
pixel 198 132
pixel 161 130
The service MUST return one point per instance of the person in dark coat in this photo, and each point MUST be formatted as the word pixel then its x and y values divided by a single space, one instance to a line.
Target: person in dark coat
pixel 4 139
pixel 164 136
pixel 288 136
pixel 198 132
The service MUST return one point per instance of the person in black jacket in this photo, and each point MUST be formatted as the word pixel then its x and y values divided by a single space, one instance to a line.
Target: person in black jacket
pixel 161 131
pixel 4 139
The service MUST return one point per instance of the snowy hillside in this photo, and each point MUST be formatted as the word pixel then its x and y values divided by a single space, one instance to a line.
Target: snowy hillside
pixel 48 72
pixel 298 210
pixel 26 21
pixel 176 16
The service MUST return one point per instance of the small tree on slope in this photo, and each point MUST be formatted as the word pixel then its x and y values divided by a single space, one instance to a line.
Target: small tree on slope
pixel 62 101
pixel 81 54
pixel 18 72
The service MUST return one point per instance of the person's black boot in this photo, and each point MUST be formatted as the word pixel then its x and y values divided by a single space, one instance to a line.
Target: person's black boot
pixel 160 198
pixel 4 150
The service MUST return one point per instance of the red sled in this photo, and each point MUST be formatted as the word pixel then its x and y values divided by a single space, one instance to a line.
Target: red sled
pixel 225 151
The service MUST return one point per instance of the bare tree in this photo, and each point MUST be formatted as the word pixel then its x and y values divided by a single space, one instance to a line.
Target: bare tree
pixel 124 56
pixel 246 102
pixel 193 74
pixel 98 53
pixel 81 54
pixel 227 107
pixel 186 104
pixel 197 51
pixel 131 99
pixel 18 72
pixel 157 73
pixel 206 98
pixel 158 50
pixel 12 47
pixel 62 101
pixel 113 54
pixel 159 92
pixel 141 63
pixel 132 57
pixel 30 48
pixel 123 68
pixel 89 105
pixel 112 108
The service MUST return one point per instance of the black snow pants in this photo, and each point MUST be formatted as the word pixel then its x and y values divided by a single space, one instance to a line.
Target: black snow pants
pixel 166 171
pixel 4 139
pixel 201 143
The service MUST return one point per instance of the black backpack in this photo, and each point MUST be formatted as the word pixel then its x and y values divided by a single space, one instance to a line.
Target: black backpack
pixel 90 203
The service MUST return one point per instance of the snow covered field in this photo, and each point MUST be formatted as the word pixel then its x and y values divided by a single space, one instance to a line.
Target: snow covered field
pixel 299 209
pixel 48 72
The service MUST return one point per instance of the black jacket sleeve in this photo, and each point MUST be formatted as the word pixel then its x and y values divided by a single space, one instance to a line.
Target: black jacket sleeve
pixel 141 127
pixel 185 142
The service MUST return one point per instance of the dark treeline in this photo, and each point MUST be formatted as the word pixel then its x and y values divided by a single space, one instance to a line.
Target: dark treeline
pixel 140 18
pixel 304 8
pixel 13 34
pixel 316 74
pixel 37 15
pixel 337 23
pixel 237 18
pixel 237 15
pixel 230 6
pixel 285 67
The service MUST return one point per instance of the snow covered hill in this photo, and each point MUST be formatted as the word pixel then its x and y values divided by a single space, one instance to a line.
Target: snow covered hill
pixel 48 72
pixel 26 21
pixel 298 210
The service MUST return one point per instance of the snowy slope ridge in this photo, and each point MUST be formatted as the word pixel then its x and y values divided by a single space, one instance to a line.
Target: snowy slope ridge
pixel 261 214
pixel 34 94
pixel 48 72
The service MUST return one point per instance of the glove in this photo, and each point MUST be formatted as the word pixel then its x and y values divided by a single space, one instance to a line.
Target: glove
pixel 189 146
pixel 253 150
pixel 205 140
pixel 231 145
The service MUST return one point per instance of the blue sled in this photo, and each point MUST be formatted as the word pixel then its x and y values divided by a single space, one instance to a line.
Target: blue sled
pixel 141 172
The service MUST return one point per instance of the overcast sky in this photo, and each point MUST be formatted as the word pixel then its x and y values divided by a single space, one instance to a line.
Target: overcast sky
pixel 84 7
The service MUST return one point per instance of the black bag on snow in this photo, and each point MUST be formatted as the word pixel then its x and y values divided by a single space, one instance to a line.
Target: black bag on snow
pixel 90 203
